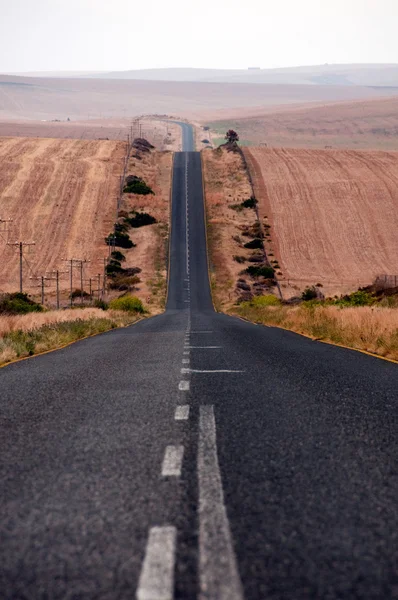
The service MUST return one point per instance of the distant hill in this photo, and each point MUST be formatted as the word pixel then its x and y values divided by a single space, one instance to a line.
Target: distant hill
pixel 79 98
pixel 351 75
pixel 348 75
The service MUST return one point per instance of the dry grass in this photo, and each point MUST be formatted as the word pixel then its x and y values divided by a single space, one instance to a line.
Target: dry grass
pixel 26 335
pixel 374 329
pixel 226 183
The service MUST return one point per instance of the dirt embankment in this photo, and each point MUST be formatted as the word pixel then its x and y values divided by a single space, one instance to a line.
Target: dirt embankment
pixel 150 252
pixel 333 214
pixel 231 226
pixel 60 194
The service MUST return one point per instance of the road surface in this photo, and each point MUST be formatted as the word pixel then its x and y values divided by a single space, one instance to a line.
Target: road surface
pixel 197 456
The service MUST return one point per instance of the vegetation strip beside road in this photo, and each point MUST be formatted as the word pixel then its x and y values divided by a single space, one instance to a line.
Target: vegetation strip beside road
pixel 371 329
pixel 22 336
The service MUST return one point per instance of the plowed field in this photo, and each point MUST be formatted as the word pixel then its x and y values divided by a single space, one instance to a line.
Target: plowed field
pixel 333 214
pixel 61 194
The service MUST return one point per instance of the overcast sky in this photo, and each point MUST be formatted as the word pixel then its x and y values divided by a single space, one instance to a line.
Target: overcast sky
pixel 79 35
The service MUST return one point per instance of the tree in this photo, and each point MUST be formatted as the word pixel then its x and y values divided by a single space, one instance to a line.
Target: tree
pixel 231 136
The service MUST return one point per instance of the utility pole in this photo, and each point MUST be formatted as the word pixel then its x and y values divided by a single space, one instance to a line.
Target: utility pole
pixel 42 285
pixel 21 246
pixel 57 273
pixel 76 262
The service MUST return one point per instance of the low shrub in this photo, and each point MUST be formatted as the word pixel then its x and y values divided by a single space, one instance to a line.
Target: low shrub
pixel 120 239
pixel 309 293
pixel 254 244
pixel 140 219
pixel 239 259
pixel 260 271
pixel 138 186
pixel 119 256
pixel 124 283
pixel 268 300
pixel 78 293
pixel 250 203
pixel 101 304
pixel 359 298
pixel 127 304
pixel 18 304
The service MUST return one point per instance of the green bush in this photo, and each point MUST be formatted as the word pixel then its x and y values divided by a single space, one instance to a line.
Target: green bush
pixel 268 300
pixel 119 256
pixel 309 294
pixel 254 244
pixel 260 271
pixel 249 203
pixel 122 240
pixel 127 304
pixel 239 259
pixel 359 298
pixel 101 304
pixel 17 304
pixel 139 219
pixel 138 187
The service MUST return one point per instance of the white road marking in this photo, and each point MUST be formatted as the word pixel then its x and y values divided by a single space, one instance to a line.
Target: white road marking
pixel 157 574
pixel 201 331
pixel 182 412
pixel 184 386
pixel 172 461
pixel 185 361
pixel 186 370
pixel 205 347
pixel 186 353
pixel 218 571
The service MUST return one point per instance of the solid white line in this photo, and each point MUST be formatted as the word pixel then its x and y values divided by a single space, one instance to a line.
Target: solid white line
pixel 182 412
pixel 172 461
pixel 186 370
pixel 157 574
pixel 183 386
pixel 218 571
pixel 201 331
pixel 205 347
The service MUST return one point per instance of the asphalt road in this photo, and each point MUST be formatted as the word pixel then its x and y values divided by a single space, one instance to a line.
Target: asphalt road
pixel 194 455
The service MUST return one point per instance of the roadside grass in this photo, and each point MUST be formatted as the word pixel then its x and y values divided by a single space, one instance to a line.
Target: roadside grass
pixel 33 333
pixel 370 328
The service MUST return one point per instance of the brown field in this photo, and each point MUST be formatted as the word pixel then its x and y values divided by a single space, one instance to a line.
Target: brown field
pixel 61 194
pixel 333 214
pixel 46 98
pixel 165 136
pixel 367 124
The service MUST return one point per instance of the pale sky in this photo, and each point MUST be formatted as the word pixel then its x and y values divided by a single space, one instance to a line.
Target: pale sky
pixel 79 35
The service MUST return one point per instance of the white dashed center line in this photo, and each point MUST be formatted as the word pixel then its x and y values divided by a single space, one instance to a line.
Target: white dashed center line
pixel 172 461
pixel 157 575
pixel 182 412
